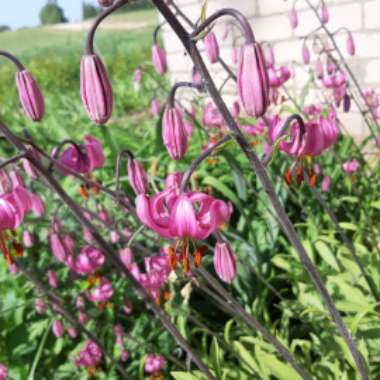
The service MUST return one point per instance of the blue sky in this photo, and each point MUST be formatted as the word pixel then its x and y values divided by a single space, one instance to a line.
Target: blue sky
pixel 19 13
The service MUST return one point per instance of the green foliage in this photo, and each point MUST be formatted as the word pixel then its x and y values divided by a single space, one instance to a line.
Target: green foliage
pixel 89 10
pixel 271 285
pixel 4 28
pixel 52 13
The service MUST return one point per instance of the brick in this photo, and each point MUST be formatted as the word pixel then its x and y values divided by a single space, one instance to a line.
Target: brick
pixel 371 13
pixel 372 72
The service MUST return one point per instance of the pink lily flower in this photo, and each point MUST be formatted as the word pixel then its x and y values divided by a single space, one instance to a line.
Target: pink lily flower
pixel 16 204
pixel 212 117
pixel 154 363
pixel 3 371
pixel 277 77
pixel 189 215
pixel 351 166
pixel 83 158
pixel 101 293
pixel 319 135
pixel 90 356
pixel 89 260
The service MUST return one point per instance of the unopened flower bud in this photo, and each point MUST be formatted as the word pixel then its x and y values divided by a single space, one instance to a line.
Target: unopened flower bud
pixel 224 261
pixel 305 54
pixel 350 44
pixel 253 84
pixel 174 133
pixel 211 47
pixel 30 95
pixel 293 18
pixel 58 329
pixel 96 89
pixel 324 13
pixel 137 176
pixel 159 59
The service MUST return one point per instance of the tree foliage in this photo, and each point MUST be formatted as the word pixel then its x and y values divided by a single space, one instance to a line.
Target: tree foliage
pixel 52 13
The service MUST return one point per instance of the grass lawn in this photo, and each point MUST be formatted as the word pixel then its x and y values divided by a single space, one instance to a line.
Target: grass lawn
pixel 34 41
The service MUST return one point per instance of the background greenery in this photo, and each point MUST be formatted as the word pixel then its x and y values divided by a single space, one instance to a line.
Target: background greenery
pixel 271 281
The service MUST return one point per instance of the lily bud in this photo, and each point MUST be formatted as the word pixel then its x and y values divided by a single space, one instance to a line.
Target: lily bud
pixel 305 54
pixel 159 59
pixel 72 332
pixel 39 305
pixel 174 133
pixel 253 84
pixel 137 77
pixel 326 183
pixel 350 44
pixel 211 47
pixel 155 107
pixel 96 89
pixel 325 13
pixel 293 18
pixel 137 176
pixel 27 239
pixel 224 261
pixel 58 329
pixel 346 103
pixel 53 279
pixel 30 95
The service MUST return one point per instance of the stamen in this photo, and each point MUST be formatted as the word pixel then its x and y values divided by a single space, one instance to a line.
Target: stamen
pixel 83 192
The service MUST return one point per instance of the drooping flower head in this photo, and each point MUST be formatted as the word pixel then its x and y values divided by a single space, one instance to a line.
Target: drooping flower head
pixel 83 158
pixel 174 133
pixel 96 89
pixel 253 83
pixel 30 95
pixel 211 47
pixel 58 329
pixel 159 59
pixel 224 261
pixel 137 176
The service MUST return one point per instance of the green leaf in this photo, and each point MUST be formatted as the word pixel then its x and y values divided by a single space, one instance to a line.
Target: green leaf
pixel 348 226
pixel 223 189
pixel 204 11
pixel 215 358
pixel 187 376
pixel 246 357
pixel 275 367
pixel 327 255
pixel 376 204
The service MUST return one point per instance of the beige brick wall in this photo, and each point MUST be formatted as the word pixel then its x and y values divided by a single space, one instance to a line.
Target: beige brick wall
pixel 269 19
